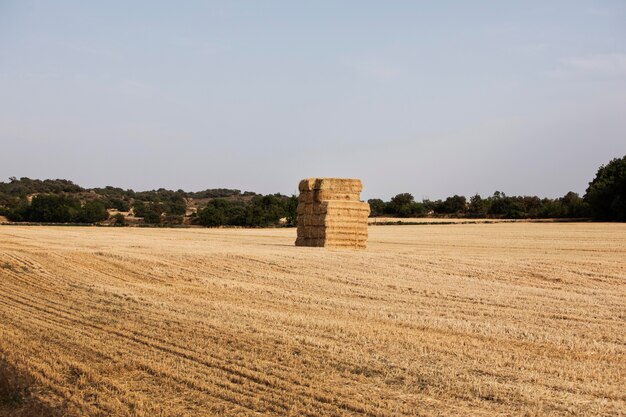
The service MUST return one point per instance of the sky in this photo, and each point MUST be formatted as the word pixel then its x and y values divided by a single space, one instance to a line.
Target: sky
pixel 432 98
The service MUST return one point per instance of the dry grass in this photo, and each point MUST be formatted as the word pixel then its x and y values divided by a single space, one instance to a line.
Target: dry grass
pixel 493 319
pixel 21 397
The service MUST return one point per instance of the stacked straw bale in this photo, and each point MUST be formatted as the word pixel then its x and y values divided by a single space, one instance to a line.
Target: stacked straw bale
pixel 331 214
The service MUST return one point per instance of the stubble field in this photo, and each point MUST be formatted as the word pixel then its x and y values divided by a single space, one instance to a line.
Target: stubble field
pixel 485 319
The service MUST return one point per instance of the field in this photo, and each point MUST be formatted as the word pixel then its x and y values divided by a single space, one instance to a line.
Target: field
pixel 471 319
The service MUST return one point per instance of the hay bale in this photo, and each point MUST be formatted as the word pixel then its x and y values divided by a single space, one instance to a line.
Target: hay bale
pixel 330 213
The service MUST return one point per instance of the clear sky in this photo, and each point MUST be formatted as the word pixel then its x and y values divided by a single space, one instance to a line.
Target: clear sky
pixel 432 98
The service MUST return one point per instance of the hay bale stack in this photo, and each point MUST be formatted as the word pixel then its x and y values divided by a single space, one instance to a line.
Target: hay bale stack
pixel 331 214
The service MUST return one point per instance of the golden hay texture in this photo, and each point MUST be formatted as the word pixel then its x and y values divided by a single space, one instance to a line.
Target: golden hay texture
pixel 331 214
pixel 480 320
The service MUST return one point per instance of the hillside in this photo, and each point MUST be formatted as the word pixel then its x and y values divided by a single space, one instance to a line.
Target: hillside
pixel 62 201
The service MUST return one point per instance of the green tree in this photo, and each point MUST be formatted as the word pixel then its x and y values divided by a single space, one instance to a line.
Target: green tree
pixel 452 205
pixel 291 211
pixel 92 212
pixel 265 210
pixel 54 209
pixel 477 207
pixel 150 211
pixel 498 204
pixel 177 205
pixel 118 204
pixel 574 206
pixel 19 211
pixel 377 207
pixel 606 194
pixel 152 214
pixel 139 208
pixel 214 214
pixel 119 219
pixel 404 205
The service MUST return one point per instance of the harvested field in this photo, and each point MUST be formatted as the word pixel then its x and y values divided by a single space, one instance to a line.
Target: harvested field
pixel 472 319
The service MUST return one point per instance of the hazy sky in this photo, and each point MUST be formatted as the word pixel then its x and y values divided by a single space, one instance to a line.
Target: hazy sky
pixel 433 98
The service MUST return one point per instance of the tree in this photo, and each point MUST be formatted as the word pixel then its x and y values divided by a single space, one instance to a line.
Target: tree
pixel 139 208
pixel 212 215
pixel 177 204
pixel 291 211
pixel 402 205
pixel 400 200
pixel 92 212
pixel 264 210
pixel 498 204
pixel 152 214
pixel 119 219
pixel 452 205
pixel 574 206
pixel 377 207
pixel 606 194
pixel 19 211
pixel 118 204
pixel 477 207
pixel 54 209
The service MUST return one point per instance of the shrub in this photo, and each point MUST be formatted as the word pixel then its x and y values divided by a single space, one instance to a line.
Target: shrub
pixel 119 220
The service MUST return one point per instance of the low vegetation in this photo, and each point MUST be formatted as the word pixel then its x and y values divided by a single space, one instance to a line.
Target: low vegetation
pixel 605 199
pixel 498 206
pixel 61 201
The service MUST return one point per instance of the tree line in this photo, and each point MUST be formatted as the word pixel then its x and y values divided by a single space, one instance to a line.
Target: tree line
pixel 499 205
pixel 114 197
pixel 62 201
pixel 605 199
pixel 57 208
pixel 261 211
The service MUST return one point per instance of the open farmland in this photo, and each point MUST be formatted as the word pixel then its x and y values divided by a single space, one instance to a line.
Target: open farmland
pixel 484 319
